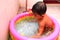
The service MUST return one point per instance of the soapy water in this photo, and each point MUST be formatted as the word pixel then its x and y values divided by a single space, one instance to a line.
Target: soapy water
pixel 29 28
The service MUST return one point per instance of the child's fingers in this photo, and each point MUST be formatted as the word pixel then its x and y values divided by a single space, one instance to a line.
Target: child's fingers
pixel 35 36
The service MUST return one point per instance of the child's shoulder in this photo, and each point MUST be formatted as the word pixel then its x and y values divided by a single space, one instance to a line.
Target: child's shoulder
pixel 47 19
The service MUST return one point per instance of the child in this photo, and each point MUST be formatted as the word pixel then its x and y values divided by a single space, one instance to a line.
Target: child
pixel 39 11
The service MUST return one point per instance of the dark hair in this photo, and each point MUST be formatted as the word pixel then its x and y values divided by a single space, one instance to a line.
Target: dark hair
pixel 39 8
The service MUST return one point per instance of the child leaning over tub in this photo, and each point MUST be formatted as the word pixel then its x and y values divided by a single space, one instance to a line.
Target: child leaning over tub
pixel 39 11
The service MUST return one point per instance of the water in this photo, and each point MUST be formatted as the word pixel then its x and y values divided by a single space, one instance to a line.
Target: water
pixel 27 28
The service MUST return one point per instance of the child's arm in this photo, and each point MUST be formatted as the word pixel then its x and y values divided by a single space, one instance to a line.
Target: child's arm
pixel 39 33
pixel 40 30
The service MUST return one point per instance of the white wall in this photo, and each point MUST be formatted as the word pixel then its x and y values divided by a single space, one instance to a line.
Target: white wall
pixel 8 9
pixel 31 3
pixel 22 4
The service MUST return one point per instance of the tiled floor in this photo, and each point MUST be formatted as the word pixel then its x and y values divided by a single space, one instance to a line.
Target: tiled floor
pixel 54 11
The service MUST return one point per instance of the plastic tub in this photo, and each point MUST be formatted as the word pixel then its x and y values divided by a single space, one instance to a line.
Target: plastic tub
pixel 15 36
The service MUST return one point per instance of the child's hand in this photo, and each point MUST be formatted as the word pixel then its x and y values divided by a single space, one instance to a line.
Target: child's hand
pixel 36 36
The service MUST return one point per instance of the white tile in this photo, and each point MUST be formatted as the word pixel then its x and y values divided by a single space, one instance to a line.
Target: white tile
pixel 54 11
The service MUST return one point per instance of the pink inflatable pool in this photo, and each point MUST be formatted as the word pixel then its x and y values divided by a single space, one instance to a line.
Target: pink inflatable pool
pixel 16 36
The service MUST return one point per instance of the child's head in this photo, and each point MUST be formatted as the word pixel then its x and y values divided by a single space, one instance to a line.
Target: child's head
pixel 39 8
